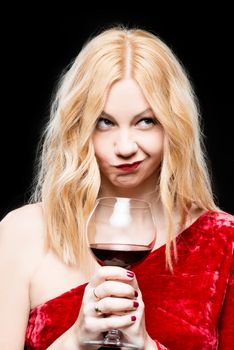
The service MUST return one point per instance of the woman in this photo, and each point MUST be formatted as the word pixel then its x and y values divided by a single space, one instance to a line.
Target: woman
pixel 125 100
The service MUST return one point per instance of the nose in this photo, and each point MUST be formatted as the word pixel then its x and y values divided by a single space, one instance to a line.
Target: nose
pixel 125 146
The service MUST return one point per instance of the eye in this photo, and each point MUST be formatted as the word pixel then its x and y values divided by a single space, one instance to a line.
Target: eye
pixel 104 123
pixel 146 122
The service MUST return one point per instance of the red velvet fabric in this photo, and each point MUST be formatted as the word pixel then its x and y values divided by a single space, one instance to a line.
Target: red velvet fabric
pixel 193 308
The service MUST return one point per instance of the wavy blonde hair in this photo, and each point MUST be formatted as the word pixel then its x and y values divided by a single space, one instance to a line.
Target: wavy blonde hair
pixel 68 180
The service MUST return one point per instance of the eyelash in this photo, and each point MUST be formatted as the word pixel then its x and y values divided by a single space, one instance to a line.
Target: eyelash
pixel 149 119
pixel 109 122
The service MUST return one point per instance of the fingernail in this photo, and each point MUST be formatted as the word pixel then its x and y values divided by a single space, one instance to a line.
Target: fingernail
pixel 136 293
pixel 135 304
pixel 130 274
pixel 133 318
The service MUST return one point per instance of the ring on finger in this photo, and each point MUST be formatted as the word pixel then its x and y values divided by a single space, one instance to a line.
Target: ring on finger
pixel 95 295
pixel 97 310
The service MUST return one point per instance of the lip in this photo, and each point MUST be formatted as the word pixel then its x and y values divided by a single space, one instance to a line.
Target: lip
pixel 128 166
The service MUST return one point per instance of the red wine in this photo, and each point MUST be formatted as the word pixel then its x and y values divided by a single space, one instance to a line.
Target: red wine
pixel 123 255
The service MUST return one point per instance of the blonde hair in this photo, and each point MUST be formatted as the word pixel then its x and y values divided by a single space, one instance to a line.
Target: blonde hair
pixel 69 181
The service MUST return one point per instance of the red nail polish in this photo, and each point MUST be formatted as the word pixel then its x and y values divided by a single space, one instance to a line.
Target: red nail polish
pixel 135 304
pixel 133 318
pixel 136 293
pixel 130 274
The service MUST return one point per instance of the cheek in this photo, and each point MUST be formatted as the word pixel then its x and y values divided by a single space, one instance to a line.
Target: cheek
pixel 153 144
pixel 100 145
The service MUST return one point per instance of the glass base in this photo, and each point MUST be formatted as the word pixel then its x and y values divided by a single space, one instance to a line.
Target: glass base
pixel 112 340
pixel 102 345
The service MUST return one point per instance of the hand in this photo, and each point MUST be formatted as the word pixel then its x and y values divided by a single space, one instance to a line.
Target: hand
pixel 111 300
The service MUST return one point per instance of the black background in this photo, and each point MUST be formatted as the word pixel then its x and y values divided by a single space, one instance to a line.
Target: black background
pixel 38 43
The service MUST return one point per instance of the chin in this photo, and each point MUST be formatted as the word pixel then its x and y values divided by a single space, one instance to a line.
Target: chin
pixel 127 185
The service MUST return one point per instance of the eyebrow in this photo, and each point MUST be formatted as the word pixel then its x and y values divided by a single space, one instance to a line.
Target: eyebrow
pixel 133 117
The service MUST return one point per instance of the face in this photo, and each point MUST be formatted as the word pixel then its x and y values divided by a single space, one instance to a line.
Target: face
pixel 128 140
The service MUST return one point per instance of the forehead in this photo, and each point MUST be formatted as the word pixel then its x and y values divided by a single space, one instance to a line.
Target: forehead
pixel 125 98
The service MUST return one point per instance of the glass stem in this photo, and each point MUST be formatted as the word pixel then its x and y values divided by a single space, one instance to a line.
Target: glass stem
pixel 113 337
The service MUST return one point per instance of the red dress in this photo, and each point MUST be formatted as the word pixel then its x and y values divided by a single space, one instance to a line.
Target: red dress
pixel 193 308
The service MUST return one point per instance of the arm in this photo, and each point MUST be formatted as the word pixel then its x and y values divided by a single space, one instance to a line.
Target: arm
pixel 17 257
pixel 226 327
pixel 14 301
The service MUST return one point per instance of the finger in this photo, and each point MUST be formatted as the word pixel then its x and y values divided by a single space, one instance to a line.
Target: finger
pixel 106 273
pixel 115 322
pixel 115 306
pixel 104 324
pixel 117 289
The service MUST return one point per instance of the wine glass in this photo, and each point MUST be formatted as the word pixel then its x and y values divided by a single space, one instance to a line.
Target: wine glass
pixel 121 232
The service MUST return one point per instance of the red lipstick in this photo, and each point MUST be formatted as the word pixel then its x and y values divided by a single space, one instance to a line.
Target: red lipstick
pixel 128 167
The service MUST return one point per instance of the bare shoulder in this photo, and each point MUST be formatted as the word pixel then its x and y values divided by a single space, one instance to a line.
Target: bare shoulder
pixel 22 232
pixel 24 218
pixel 21 250
pixel 23 214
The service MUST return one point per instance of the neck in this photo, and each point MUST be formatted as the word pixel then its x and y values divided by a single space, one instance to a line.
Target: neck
pixel 147 196
pixel 148 190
